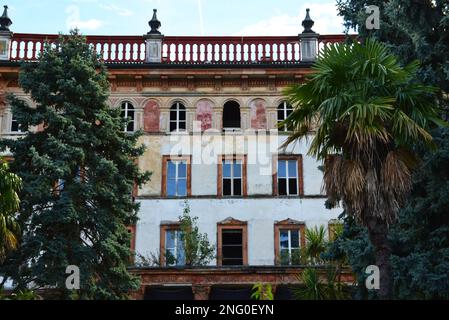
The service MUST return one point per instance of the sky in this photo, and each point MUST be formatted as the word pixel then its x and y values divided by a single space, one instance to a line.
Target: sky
pixel 178 17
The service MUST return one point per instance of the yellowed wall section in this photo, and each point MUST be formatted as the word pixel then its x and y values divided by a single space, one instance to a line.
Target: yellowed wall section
pixel 151 161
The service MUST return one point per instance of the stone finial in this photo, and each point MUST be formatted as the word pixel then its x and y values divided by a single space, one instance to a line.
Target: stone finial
pixel 5 21
pixel 308 23
pixel 154 23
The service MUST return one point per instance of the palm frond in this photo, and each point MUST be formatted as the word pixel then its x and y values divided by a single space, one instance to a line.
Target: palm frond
pixel 363 105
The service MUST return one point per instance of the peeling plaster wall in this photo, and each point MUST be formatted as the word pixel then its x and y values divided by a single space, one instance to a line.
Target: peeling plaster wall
pixel 151 161
pixel 260 214
pixel 204 112
pixel 258 114
pixel 151 117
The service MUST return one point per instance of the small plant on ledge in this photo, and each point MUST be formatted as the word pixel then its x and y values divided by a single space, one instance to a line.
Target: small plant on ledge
pixel 262 292
pixel 197 248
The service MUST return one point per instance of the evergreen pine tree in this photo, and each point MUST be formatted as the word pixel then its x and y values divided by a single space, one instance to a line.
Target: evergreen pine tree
pixel 421 239
pixel 78 175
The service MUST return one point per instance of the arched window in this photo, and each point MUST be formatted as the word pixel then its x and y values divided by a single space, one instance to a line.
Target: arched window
pixel 177 117
pixel 231 115
pixel 284 111
pixel 128 113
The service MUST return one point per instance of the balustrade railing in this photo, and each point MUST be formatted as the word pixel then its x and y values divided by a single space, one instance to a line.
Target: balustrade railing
pixel 230 50
pixel 179 50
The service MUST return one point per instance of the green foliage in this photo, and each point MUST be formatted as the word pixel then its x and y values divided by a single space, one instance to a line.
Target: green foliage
pixel 412 30
pixel 359 99
pixel 10 186
pixel 353 247
pixel 315 244
pixel 198 250
pixel 297 257
pixel 360 94
pixel 368 111
pixel 262 292
pixel 83 220
pixel 313 288
pixel 170 259
pixel 21 295
pixel 420 241
pixel 338 229
pixel 317 253
pixel 420 260
pixel 154 260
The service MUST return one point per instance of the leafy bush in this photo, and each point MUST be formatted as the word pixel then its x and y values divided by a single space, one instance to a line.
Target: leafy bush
pixel 262 292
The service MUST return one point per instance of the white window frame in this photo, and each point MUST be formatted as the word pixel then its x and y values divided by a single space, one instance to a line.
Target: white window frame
pixel 177 178
pixel 233 162
pixel 288 177
pixel 178 107
pixel 285 108
pixel 290 248
pixel 126 107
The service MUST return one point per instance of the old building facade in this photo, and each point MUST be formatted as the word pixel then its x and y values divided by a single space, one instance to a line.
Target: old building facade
pixel 209 108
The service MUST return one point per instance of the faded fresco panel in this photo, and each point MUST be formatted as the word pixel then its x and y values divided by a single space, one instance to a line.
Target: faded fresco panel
pixel 204 112
pixel 258 114
pixel 151 116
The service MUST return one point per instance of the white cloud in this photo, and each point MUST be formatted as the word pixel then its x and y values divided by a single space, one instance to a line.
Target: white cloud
pixel 116 9
pixel 74 20
pixel 325 16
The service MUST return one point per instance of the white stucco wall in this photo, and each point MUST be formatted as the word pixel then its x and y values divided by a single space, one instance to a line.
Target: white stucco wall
pixel 204 179
pixel 205 152
pixel 260 214
pixel 259 209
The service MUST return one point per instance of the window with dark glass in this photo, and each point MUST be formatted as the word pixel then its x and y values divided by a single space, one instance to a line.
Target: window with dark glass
pixel 176 178
pixel 231 115
pixel 284 111
pixel 287 177
pixel 177 117
pixel 232 177
pixel 174 248
pixel 128 113
pixel 232 247
pixel 14 125
pixel 289 246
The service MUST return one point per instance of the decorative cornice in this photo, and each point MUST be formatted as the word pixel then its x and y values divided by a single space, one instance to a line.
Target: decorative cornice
pixel 232 222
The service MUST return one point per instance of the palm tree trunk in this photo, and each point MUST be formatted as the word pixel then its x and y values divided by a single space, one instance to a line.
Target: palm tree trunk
pixel 378 235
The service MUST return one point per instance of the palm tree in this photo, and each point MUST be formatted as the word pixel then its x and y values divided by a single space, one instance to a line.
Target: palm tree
pixel 312 287
pixel 10 185
pixel 367 112
pixel 316 244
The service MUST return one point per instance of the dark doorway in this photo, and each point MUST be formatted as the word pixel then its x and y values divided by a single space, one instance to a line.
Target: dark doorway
pixel 231 115
pixel 284 292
